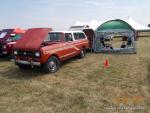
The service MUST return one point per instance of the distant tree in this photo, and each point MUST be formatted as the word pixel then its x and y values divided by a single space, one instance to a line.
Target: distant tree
pixel 148 25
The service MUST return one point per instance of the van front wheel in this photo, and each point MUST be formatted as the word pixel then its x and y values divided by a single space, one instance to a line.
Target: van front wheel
pixel 52 65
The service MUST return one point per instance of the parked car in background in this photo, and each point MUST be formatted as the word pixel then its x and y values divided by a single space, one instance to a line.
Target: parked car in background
pixel 4 35
pixel 89 32
pixel 46 48
pixel 8 38
pixel 12 42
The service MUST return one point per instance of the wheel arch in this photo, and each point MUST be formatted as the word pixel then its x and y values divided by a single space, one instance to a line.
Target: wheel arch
pixel 55 55
pixel 52 68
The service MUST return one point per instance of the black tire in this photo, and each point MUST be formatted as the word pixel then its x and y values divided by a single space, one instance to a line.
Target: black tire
pixel 23 67
pixel 82 53
pixel 11 56
pixel 52 65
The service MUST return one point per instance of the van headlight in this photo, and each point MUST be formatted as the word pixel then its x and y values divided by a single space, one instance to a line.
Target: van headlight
pixel 37 54
pixel 15 52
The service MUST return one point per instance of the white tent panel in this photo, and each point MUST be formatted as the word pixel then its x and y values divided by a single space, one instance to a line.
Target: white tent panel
pixel 136 25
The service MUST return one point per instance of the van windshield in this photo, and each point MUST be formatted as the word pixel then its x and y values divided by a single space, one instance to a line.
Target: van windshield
pixel 3 34
pixel 54 37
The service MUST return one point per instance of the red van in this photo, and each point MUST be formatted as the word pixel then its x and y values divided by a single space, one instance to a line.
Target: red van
pixel 46 48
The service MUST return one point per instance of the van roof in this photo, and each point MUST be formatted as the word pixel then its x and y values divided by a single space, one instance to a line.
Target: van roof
pixel 66 32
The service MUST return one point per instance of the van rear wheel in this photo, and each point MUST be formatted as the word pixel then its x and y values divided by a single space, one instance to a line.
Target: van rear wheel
pixel 82 53
pixel 52 65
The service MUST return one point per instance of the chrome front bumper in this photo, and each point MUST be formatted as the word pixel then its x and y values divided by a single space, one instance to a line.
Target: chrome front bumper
pixel 28 63
pixel 4 52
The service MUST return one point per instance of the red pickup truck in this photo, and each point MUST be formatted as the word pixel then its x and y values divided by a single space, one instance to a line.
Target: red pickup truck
pixel 46 48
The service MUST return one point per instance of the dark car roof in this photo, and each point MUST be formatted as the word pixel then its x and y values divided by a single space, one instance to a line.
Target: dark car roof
pixel 8 31
pixel 32 39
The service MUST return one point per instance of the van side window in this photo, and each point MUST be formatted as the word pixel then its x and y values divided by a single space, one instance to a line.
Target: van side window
pixel 79 36
pixel 68 37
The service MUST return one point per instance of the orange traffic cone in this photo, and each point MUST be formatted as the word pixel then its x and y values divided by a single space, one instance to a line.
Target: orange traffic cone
pixel 106 63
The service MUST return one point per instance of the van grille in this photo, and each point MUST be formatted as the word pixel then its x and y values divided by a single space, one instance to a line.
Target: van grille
pixel 26 54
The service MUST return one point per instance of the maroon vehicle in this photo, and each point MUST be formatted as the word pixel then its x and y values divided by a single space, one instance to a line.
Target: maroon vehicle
pixel 8 38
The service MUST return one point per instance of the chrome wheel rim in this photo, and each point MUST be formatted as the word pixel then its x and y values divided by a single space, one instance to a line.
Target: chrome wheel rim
pixel 82 53
pixel 52 65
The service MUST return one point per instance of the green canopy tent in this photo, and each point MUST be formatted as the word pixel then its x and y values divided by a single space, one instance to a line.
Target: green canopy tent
pixel 111 28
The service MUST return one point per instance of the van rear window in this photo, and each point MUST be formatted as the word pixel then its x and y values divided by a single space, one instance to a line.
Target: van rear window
pixel 79 36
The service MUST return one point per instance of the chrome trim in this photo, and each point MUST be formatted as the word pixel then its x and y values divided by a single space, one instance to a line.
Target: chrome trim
pixel 68 54
pixel 12 60
pixel 4 52
pixel 28 63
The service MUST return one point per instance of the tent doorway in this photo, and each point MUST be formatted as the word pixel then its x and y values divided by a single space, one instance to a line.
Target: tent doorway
pixel 115 36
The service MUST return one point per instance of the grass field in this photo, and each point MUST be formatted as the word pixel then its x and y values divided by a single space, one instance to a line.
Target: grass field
pixel 80 86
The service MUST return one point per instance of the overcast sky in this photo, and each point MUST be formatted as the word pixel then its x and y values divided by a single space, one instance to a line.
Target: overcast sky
pixel 60 14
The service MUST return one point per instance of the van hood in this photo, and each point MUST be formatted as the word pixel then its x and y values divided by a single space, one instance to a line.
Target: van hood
pixel 32 39
pixel 5 34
